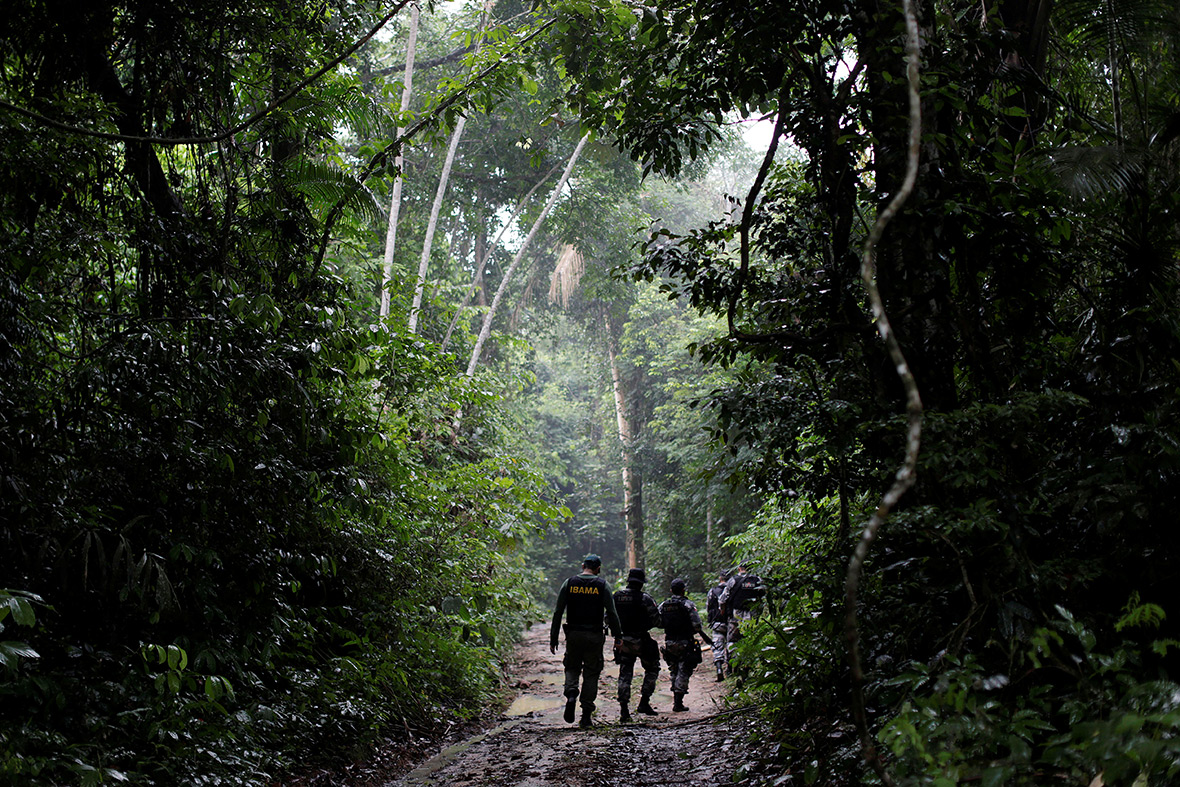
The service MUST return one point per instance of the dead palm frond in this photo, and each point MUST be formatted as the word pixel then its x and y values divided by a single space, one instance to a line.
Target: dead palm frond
pixel 566 275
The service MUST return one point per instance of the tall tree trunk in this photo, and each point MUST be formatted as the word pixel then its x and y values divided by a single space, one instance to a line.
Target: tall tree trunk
pixel 435 209
pixel 710 551
pixel 632 478
pixel 395 198
pixel 486 329
pixel 913 278
pixel 1116 100
pixel 424 263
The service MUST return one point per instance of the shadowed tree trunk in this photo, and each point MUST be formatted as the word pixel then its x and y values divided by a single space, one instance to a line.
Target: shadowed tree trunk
pixel 632 478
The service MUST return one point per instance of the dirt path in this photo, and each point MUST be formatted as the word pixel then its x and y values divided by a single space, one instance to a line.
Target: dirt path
pixel 534 747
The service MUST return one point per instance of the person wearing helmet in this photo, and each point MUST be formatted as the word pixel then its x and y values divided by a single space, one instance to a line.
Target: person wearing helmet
pixel 718 622
pixel 638 615
pixel 682 625
pixel 584 600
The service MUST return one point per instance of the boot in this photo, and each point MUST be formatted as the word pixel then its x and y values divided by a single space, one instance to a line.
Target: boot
pixel 679 705
pixel 720 673
pixel 624 714
pixel 645 707
pixel 586 721
pixel 570 706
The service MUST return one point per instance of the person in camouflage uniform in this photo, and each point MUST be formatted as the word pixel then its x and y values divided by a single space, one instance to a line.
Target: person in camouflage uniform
pixel 682 625
pixel 718 622
pixel 584 600
pixel 742 593
pixel 638 615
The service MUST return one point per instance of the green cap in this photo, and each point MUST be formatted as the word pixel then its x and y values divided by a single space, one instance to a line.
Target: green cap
pixel 592 560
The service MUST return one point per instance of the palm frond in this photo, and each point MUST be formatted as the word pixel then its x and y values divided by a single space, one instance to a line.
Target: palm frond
pixel 1169 130
pixel 1090 171
pixel 364 114
pixel 566 275
pixel 1130 23
pixel 324 185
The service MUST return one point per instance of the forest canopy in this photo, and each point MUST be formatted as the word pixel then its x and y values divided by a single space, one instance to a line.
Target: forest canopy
pixel 333 334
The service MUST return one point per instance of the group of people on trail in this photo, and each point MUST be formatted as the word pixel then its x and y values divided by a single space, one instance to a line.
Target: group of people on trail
pixel 729 603
pixel 585 601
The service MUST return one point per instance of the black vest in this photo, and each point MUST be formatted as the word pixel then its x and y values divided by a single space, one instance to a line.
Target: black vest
pixel 745 591
pixel 677 620
pixel 632 611
pixel 585 603
pixel 713 604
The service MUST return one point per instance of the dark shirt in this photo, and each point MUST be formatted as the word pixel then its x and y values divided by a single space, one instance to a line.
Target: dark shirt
pixel 584 599
pixel 680 619
pixel 637 611
pixel 742 591
pixel 716 613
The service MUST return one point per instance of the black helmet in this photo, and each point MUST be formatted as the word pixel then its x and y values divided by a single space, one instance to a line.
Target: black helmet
pixel 678 586
pixel 636 575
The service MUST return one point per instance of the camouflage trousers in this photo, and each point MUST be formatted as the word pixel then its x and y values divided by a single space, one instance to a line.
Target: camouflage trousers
pixel 738 617
pixel 649 659
pixel 583 658
pixel 682 657
pixel 720 644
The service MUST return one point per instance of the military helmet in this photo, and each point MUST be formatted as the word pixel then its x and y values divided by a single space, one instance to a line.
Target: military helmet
pixel 678 586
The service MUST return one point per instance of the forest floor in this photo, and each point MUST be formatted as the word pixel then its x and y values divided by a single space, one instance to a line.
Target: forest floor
pixel 530 745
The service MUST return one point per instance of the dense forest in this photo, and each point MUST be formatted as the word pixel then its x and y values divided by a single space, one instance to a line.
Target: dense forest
pixel 332 334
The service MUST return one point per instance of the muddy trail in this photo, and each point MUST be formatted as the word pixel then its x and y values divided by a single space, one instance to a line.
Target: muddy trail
pixel 532 746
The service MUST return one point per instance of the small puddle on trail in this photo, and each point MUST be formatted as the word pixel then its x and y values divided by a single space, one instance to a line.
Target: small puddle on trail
pixel 526 704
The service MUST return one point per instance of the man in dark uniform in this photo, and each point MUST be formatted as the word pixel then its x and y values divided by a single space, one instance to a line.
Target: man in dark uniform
pixel 681 625
pixel 583 599
pixel 742 593
pixel 638 615
pixel 718 622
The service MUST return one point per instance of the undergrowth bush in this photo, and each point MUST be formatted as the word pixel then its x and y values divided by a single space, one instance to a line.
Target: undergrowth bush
pixel 1071 712
pixel 285 619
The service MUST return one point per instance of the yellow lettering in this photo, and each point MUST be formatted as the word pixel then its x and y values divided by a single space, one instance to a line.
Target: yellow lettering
pixel 579 589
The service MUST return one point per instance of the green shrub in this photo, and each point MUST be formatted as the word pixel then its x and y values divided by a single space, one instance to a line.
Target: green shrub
pixel 1070 711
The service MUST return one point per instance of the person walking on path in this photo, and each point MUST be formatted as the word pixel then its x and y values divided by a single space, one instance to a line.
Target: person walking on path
pixel 682 625
pixel 584 600
pixel 638 615
pixel 718 622
pixel 742 593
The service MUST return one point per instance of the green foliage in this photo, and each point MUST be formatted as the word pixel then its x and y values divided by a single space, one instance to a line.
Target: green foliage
pixel 19 607
pixel 1097 716
pixel 1030 280
pixel 247 537
pixel 791 653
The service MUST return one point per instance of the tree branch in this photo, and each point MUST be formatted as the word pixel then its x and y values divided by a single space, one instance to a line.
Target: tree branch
pixel 381 158
pixel 245 124
pixel 748 212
